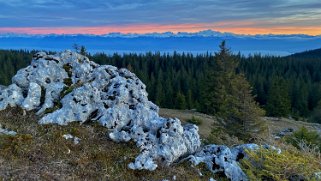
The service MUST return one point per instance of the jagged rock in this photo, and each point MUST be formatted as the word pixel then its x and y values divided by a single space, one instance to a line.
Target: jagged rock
pixel 7 132
pixel 32 101
pixel 11 96
pixel 67 87
pixel 221 159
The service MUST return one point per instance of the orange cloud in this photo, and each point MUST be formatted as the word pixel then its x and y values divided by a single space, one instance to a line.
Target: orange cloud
pixel 233 27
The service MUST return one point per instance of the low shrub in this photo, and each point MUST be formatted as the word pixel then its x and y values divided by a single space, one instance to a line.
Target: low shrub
pixel 291 164
pixel 304 138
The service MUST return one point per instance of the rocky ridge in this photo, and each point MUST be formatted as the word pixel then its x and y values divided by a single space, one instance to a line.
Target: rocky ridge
pixel 67 87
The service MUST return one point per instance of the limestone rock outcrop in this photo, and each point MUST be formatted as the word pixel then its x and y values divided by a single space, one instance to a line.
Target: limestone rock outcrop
pixel 67 87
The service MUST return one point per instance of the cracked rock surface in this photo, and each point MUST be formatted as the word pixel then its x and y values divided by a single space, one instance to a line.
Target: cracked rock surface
pixel 67 87
pixel 221 159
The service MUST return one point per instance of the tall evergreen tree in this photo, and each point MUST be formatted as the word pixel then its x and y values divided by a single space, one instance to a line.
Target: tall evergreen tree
pixel 83 50
pixel 245 116
pixel 216 84
pixel 180 101
pixel 278 101
pixel 230 94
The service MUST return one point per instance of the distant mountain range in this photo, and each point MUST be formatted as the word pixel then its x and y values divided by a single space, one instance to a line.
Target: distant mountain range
pixel 168 42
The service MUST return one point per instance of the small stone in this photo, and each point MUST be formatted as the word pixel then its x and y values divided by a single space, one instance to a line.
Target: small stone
pixel 75 139
pixel 7 132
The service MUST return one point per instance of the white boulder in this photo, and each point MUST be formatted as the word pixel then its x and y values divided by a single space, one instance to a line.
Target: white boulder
pixel 67 87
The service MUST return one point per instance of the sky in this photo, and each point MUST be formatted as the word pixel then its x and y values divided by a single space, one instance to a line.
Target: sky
pixel 146 16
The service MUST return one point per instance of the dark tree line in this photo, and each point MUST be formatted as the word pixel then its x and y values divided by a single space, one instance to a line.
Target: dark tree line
pixel 11 61
pixel 284 86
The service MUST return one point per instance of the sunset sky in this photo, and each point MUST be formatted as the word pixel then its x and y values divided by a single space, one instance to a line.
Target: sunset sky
pixel 146 16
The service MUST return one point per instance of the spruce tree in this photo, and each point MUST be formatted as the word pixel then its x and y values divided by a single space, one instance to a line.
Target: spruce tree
pixel 83 50
pixel 229 95
pixel 278 101
pixel 245 114
pixel 180 101
pixel 215 95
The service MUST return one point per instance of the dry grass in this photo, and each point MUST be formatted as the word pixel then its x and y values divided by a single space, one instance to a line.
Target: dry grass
pixel 275 125
pixel 39 152
pixel 278 124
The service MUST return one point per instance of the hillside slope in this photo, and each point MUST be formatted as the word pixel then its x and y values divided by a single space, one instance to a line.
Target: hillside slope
pixel 40 152
pixel 307 54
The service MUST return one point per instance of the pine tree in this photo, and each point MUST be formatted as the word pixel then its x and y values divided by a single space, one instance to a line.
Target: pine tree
pixel 180 101
pixel 215 95
pixel 229 96
pixel 83 50
pixel 245 114
pixel 278 101
pixel 159 94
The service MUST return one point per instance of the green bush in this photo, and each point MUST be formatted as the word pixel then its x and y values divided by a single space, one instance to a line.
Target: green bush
pixel 195 121
pixel 266 164
pixel 304 136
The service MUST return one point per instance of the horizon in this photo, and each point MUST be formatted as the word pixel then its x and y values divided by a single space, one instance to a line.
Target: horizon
pixel 277 17
pixel 100 32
